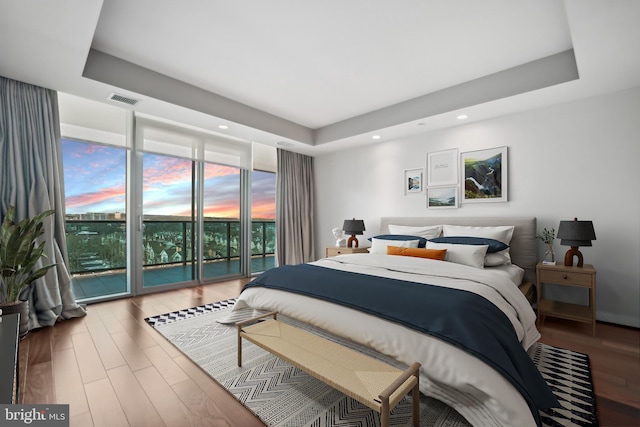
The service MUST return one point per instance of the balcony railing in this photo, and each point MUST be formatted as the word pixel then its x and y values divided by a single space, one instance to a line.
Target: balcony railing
pixel 100 245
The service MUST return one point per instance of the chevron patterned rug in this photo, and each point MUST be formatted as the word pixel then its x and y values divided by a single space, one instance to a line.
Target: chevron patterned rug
pixel 283 396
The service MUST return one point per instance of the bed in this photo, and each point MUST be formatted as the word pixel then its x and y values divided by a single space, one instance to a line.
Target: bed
pixel 469 325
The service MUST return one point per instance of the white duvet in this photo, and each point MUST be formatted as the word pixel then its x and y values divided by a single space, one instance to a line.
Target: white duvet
pixel 474 389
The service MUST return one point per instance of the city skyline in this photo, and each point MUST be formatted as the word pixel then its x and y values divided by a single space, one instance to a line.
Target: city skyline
pixel 95 181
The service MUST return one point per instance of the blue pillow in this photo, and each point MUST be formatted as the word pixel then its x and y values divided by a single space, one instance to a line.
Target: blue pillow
pixel 422 242
pixel 494 245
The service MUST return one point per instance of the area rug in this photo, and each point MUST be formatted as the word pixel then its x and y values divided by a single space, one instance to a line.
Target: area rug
pixel 284 396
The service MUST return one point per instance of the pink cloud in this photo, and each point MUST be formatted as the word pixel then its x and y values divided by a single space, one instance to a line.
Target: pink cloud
pixel 96 197
pixel 167 171
pixel 264 209
pixel 212 171
pixel 230 210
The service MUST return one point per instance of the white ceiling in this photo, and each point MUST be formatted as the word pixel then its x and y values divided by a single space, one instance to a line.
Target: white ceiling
pixel 321 76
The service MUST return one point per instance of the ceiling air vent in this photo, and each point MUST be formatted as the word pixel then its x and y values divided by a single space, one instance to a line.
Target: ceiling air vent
pixel 121 98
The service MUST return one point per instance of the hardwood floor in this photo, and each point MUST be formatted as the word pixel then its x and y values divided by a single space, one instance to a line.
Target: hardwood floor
pixel 614 354
pixel 114 370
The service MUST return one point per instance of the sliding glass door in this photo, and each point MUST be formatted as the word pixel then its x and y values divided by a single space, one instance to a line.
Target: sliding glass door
pixel 168 225
pixel 192 209
pixel 221 221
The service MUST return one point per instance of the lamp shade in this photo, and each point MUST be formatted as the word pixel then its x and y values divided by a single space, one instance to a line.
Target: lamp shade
pixel 353 226
pixel 576 233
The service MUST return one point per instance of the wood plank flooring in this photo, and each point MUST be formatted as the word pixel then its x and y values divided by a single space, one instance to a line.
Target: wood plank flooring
pixel 114 370
pixel 614 354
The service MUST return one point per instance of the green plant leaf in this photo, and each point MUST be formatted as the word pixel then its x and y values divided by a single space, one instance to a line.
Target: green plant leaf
pixel 20 252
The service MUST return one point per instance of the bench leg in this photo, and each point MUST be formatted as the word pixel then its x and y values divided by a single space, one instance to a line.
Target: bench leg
pixel 239 325
pixel 239 348
pixel 384 413
pixel 416 405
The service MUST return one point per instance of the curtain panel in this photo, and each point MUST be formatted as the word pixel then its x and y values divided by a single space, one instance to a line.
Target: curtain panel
pixel 294 208
pixel 31 180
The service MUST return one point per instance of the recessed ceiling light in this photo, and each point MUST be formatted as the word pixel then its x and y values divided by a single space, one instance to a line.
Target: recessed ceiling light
pixel 462 117
pixel 223 127
pixel 376 137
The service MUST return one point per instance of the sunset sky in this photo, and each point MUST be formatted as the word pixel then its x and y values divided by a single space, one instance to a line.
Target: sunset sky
pixel 95 182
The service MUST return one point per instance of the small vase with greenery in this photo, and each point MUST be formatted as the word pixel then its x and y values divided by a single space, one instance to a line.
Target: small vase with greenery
pixel 19 253
pixel 548 236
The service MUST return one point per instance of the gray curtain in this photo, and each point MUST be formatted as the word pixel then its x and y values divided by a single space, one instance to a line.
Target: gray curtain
pixel 31 180
pixel 294 208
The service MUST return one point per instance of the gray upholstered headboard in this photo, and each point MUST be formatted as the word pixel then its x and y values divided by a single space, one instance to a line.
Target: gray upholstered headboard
pixel 523 243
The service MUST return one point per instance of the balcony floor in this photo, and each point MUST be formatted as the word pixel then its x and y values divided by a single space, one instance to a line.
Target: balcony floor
pixel 95 285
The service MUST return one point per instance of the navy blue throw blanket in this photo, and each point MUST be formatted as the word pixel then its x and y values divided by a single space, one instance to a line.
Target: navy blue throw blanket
pixel 461 318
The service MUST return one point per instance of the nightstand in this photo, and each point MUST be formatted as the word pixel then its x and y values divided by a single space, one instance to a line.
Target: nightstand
pixel 337 250
pixel 582 277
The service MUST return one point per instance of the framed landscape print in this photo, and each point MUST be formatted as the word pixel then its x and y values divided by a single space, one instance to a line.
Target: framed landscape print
pixel 484 175
pixel 442 168
pixel 412 181
pixel 442 197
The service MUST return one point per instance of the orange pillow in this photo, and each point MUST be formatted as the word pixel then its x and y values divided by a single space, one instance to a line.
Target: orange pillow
pixel 437 254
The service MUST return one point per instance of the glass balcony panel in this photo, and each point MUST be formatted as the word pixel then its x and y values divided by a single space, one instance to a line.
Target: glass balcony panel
pixel 97 253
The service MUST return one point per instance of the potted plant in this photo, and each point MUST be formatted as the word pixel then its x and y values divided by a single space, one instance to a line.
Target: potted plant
pixel 548 237
pixel 18 257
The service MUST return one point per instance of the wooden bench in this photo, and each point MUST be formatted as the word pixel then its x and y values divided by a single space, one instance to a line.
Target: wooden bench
pixel 370 381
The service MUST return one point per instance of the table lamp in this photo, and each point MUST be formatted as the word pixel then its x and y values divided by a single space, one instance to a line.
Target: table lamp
pixel 575 233
pixel 353 227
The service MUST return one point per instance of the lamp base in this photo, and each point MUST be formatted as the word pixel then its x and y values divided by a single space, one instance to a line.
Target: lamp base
pixel 352 242
pixel 568 257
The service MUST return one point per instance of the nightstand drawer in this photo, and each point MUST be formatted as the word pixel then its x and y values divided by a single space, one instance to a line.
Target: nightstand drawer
pixel 336 250
pixel 569 277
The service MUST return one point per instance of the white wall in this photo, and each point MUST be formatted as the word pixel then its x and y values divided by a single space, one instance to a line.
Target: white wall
pixel 573 160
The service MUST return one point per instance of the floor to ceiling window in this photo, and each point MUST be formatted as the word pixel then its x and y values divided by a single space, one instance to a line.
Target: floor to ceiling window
pixel 95 187
pixel 152 205
pixel 192 212
pixel 95 152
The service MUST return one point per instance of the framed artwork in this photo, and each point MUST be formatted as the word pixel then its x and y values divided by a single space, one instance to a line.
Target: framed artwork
pixel 442 197
pixel 484 175
pixel 412 181
pixel 442 168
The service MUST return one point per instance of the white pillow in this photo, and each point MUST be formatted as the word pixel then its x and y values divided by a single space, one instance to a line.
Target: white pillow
pixel 497 258
pixel 502 233
pixel 426 231
pixel 472 255
pixel 379 246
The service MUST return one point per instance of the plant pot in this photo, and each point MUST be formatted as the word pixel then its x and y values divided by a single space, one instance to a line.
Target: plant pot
pixel 22 308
